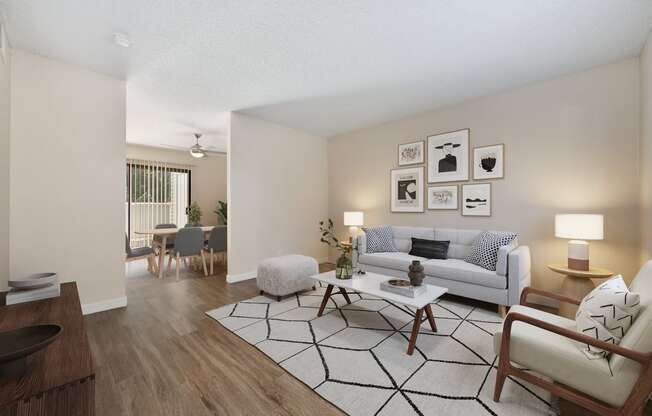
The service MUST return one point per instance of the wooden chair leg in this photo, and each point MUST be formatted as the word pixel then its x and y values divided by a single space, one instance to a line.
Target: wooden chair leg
pixel 169 262
pixel 178 264
pixel 500 382
pixel 212 261
pixel 203 262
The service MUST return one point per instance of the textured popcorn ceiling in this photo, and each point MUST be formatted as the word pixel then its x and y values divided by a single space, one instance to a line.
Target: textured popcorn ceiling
pixel 325 66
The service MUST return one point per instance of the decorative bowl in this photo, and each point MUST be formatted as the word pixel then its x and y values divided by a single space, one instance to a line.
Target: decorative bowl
pixel 34 281
pixel 17 344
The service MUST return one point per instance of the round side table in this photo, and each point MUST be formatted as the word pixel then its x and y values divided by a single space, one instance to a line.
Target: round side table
pixel 577 284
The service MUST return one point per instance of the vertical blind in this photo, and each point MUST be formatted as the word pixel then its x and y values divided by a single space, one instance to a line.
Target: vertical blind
pixel 156 193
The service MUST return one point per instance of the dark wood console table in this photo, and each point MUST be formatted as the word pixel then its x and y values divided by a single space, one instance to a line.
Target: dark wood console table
pixel 60 380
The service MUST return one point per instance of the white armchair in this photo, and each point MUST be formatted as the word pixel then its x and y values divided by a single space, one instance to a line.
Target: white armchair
pixel 550 345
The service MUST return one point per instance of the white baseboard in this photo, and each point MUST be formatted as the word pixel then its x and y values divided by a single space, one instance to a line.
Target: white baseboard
pixel 234 278
pixel 105 305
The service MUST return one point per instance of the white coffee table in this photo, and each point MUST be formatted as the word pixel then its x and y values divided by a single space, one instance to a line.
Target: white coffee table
pixel 370 285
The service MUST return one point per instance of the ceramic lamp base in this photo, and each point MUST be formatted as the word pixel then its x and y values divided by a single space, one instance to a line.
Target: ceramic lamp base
pixel 578 255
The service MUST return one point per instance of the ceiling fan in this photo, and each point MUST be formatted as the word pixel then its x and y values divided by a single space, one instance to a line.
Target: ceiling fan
pixel 197 150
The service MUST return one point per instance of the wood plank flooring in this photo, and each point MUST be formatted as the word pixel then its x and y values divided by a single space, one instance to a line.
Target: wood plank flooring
pixel 163 356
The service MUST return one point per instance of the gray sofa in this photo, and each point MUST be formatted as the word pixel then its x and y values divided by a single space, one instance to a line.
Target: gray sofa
pixel 502 287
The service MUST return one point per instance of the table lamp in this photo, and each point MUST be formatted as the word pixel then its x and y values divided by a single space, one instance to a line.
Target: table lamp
pixel 353 219
pixel 577 228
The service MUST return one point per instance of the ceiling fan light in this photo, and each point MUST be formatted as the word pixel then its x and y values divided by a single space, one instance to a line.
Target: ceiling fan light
pixel 197 153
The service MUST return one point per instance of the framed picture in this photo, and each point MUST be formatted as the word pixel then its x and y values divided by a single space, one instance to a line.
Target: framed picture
pixel 442 197
pixel 448 156
pixel 411 153
pixel 488 162
pixel 406 191
pixel 476 200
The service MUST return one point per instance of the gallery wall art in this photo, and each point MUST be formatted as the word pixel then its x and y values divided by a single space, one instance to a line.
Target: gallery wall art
pixel 406 191
pixel 448 157
pixel 442 197
pixel 411 153
pixel 488 162
pixel 476 200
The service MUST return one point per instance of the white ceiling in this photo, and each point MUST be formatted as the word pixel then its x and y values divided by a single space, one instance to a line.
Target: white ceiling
pixel 323 66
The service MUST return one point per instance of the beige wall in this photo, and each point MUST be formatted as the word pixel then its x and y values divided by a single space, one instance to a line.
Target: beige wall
pixel 5 106
pixel 646 151
pixel 67 175
pixel 571 145
pixel 278 193
pixel 208 179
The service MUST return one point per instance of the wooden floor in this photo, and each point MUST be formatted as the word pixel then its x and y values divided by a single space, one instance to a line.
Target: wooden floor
pixel 163 356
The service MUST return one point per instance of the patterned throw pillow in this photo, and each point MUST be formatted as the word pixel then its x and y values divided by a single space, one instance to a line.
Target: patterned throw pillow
pixel 606 314
pixel 380 239
pixel 484 251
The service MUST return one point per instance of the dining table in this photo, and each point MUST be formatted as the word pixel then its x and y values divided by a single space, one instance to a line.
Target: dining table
pixel 166 233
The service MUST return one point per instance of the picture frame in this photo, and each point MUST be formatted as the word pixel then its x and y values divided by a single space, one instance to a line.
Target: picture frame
pixel 443 197
pixel 406 190
pixel 413 153
pixel 448 156
pixel 476 200
pixel 489 162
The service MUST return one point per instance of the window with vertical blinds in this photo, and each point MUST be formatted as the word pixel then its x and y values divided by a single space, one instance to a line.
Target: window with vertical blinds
pixel 156 193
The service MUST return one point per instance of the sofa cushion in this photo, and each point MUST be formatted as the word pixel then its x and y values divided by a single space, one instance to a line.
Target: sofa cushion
pixel 461 240
pixel 396 260
pixel 461 271
pixel 430 249
pixel 606 314
pixel 503 253
pixel 560 358
pixel 484 251
pixel 380 239
pixel 403 236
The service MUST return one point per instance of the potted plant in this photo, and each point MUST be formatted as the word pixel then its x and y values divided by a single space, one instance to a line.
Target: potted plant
pixel 194 214
pixel 344 265
pixel 220 210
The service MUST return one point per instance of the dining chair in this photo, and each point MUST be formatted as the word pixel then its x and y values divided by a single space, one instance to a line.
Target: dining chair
pixel 188 243
pixel 157 240
pixel 216 244
pixel 193 225
pixel 139 254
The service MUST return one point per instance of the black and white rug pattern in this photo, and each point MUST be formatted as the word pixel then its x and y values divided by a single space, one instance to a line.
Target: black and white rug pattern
pixel 355 357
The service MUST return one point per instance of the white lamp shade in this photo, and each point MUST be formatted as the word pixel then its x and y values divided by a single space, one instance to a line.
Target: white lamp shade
pixel 579 226
pixel 353 218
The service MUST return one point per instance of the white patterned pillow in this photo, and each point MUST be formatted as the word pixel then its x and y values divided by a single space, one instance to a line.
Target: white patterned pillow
pixel 484 251
pixel 606 314
pixel 380 239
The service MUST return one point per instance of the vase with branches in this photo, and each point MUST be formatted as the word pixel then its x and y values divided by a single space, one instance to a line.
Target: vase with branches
pixel 344 265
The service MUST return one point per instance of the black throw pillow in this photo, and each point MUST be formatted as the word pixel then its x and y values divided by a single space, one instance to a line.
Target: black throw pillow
pixel 430 249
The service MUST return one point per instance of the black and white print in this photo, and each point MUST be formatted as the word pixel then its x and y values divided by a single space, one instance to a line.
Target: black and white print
pixel 442 197
pixel 476 200
pixel 355 357
pixel 407 190
pixel 488 162
pixel 448 157
pixel 411 153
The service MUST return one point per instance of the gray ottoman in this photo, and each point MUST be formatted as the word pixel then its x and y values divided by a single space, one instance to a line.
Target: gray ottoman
pixel 284 275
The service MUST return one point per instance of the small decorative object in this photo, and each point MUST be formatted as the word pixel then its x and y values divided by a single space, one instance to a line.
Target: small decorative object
pixel 402 287
pixel 578 228
pixel 416 274
pixel 448 156
pixel 35 287
pixel 221 211
pixel 344 265
pixel 442 197
pixel 406 190
pixel 194 213
pixel 34 281
pixel 476 200
pixel 411 153
pixel 17 344
pixel 488 162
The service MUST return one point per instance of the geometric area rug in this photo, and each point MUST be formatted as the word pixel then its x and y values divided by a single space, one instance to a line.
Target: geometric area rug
pixel 354 356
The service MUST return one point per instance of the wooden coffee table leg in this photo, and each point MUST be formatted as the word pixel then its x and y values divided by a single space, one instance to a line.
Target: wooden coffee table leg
pixel 324 301
pixel 346 295
pixel 415 331
pixel 431 318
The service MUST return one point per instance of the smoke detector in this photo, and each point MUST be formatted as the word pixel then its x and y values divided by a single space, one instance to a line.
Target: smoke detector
pixel 121 39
